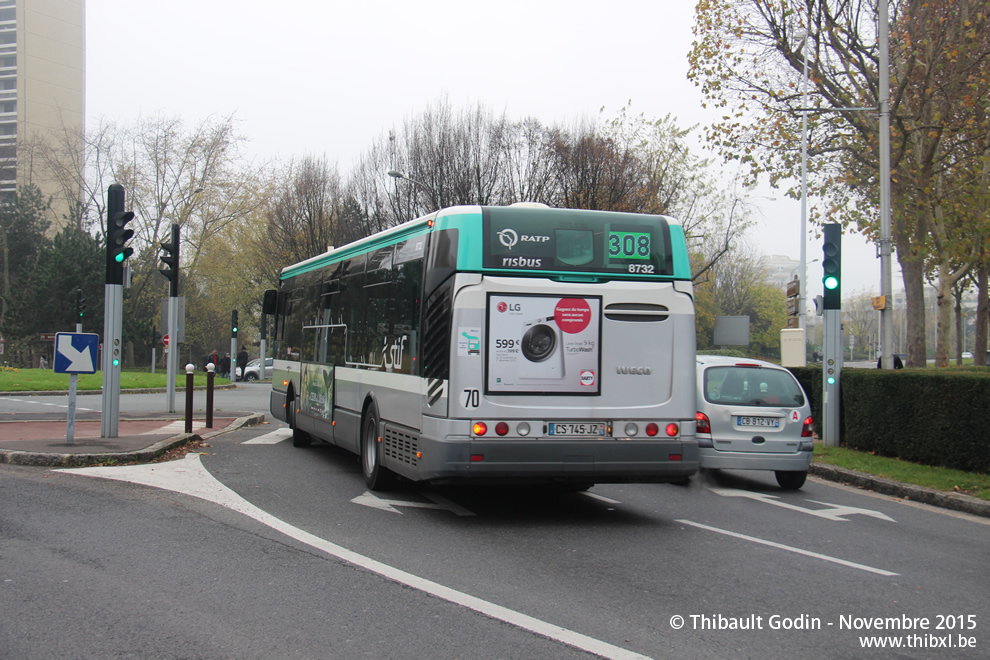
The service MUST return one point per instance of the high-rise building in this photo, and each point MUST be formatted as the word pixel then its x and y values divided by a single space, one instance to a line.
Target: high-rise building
pixel 42 92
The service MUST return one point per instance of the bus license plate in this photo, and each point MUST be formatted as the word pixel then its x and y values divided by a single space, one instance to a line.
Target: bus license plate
pixel 576 429
pixel 763 422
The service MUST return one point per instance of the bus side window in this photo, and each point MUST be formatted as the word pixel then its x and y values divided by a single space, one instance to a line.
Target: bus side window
pixel 441 260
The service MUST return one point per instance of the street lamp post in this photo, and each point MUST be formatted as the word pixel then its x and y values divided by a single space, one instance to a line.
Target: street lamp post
pixel 803 283
pixel 395 174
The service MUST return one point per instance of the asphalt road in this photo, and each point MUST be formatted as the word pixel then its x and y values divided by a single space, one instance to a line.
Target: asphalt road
pixel 283 552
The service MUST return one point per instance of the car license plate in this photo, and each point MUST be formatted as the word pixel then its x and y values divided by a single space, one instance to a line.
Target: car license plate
pixel 576 429
pixel 762 422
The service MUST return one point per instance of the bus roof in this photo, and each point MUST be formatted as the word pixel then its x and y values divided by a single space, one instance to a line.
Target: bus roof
pixel 447 218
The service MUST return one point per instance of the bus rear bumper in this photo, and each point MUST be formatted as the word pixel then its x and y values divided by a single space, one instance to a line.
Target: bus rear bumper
pixel 599 461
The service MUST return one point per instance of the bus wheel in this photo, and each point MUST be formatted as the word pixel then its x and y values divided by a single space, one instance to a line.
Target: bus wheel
pixel 299 437
pixel 376 476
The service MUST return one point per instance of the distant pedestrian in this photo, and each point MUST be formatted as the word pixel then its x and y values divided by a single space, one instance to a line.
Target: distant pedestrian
pixel 42 363
pixel 225 366
pixel 242 360
pixel 215 359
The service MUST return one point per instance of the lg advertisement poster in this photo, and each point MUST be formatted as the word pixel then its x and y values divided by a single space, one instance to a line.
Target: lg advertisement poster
pixel 544 344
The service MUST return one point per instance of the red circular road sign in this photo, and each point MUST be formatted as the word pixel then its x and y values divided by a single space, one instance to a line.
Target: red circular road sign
pixel 165 340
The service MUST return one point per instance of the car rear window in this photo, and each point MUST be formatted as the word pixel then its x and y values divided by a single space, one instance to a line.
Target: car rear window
pixel 752 386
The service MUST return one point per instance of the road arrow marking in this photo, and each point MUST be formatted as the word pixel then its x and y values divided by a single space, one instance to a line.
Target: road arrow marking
pixel 440 503
pixel 78 360
pixel 836 512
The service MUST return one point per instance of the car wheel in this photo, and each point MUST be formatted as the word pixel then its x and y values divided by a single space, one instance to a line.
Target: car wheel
pixel 251 376
pixel 376 476
pixel 791 480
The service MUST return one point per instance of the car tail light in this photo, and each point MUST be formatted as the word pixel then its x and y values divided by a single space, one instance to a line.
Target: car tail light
pixel 480 428
pixel 704 424
pixel 805 430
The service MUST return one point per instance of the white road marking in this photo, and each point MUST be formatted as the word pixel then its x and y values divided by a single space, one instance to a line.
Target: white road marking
pixel 836 512
pixel 601 498
pixel 47 403
pixel 439 503
pixel 273 438
pixel 781 546
pixel 176 427
pixel 188 476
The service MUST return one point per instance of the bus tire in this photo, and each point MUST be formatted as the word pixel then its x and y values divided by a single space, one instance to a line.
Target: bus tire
pixel 375 476
pixel 299 437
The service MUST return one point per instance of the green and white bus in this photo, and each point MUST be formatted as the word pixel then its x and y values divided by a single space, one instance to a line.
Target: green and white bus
pixel 495 344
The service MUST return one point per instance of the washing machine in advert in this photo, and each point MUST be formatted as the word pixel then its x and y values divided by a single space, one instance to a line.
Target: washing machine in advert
pixel 542 347
pixel 543 344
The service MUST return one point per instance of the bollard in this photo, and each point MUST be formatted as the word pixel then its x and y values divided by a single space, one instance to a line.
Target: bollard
pixel 209 394
pixel 190 369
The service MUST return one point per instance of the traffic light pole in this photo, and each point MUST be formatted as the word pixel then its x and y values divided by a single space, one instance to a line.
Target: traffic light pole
pixel 233 347
pixel 118 251
pixel 171 272
pixel 113 318
pixel 172 356
pixel 832 378
pixel 832 303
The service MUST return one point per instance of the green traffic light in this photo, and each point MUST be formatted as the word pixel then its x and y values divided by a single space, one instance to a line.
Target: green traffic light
pixel 831 282
pixel 116 362
pixel 831 380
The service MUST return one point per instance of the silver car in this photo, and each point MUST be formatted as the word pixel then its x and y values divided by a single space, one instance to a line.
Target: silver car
pixel 253 369
pixel 753 415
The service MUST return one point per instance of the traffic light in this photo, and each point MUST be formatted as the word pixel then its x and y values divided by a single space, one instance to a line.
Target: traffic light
pixel 171 262
pixel 233 324
pixel 832 266
pixel 80 306
pixel 118 234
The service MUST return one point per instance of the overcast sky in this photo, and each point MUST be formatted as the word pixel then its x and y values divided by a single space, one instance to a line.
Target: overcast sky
pixel 331 76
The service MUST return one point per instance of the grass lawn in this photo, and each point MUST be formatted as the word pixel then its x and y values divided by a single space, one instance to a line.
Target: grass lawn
pixel 39 380
pixel 945 479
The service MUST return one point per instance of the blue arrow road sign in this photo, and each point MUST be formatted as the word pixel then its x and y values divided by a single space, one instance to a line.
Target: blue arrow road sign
pixel 75 352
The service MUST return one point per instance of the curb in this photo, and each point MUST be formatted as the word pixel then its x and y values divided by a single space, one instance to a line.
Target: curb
pixel 954 501
pixel 15 457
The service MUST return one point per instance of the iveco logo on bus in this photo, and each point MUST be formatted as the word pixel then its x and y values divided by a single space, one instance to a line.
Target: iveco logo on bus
pixel 634 371
pixel 509 238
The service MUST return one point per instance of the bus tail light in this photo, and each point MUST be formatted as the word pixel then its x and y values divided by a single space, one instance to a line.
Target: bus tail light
pixel 672 430
pixel 501 428
pixel 806 430
pixel 479 428
pixel 652 429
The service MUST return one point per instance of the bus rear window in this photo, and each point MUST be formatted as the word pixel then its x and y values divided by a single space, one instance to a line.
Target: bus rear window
pixel 576 241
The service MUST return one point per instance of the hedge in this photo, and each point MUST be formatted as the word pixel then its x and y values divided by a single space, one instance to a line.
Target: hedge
pixel 933 417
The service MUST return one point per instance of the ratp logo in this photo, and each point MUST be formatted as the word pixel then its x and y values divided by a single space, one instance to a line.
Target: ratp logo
pixel 508 238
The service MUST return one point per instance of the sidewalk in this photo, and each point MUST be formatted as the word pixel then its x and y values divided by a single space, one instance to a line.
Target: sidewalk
pixel 41 439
